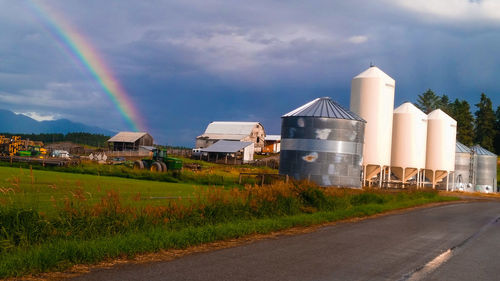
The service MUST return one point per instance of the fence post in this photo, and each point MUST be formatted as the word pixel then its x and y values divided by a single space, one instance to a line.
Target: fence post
pixel 239 180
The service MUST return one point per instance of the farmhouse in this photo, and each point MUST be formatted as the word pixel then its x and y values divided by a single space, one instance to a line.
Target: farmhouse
pixel 125 141
pixel 233 131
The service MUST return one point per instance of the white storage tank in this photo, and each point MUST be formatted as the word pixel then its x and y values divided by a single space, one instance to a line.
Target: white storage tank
pixel 372 98
pixel 486 170
pixel 464 168
pixel 441 142
pixel 409 138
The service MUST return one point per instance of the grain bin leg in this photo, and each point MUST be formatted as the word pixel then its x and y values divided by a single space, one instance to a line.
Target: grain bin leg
pixel 380 177
pixel 418 178
pixel 404 178
pixel 453 181
pixel 447 181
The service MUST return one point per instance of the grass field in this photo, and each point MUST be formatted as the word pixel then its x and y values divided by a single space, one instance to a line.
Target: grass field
pixel 51 220
pixel 39 189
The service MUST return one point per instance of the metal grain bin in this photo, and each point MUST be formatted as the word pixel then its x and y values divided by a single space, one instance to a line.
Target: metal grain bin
pixel 486 170
pixel 323 142
pixel 464 168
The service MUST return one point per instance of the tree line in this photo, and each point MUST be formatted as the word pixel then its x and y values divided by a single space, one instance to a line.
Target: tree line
pixel 482 127
pixel 96 140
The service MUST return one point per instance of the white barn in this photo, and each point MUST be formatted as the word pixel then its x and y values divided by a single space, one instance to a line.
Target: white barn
pixel 233 131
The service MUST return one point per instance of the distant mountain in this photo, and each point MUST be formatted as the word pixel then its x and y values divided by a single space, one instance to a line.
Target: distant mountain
pixel 18 123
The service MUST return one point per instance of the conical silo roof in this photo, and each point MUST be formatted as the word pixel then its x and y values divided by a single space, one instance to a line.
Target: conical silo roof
pixel 408 107
pixel 324 107
pixel 482 151
pixel 462 148
pixel 375 72
pixel 439 114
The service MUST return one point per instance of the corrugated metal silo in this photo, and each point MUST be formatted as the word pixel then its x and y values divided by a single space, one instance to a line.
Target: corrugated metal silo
pixel 409 137
pixel 372 98
pixel 322 142
pixel 441 142
pixel 464 168
pixel 486 170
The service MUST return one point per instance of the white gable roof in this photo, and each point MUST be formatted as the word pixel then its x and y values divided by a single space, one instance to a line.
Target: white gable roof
pixel 273 137
pixel 230 128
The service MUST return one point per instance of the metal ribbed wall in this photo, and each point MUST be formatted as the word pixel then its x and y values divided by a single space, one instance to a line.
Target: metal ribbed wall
pixel 325 150
pixel 464 168
pixel 486 171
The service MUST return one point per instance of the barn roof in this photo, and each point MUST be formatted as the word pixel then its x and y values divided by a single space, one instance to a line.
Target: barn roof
pixel 230 128
pixel 127 137
pixel 224 146
pixel 273 137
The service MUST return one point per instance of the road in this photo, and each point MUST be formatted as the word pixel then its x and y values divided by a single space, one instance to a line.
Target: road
pixel 448 242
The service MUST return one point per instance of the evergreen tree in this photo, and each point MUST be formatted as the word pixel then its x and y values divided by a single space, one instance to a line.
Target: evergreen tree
pixel 444 104
pixel 485 123
pixel 460 111
pixel 497 135
pixel 428 101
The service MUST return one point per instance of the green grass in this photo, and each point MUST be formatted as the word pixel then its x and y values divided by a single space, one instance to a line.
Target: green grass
pixel 60 255
pixel 85 229
pixel 210 174
pixel 49 186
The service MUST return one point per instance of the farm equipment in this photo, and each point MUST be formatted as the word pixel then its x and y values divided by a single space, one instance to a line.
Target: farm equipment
pixel 160 162
pixel 15 146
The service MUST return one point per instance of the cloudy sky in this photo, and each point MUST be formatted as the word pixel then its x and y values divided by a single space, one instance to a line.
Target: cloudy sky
pixel 189 62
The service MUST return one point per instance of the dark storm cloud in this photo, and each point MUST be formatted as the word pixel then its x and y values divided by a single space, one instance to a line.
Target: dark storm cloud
pixel 186 63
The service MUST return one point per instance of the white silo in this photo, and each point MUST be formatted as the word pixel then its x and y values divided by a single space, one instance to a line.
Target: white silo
pixel 409 138
pixel 441 143
pixel 372 98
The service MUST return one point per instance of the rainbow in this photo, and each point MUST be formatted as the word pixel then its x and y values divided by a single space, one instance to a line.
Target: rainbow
pixel 83 51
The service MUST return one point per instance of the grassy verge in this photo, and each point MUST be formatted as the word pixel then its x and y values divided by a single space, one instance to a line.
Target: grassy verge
pixel 84 232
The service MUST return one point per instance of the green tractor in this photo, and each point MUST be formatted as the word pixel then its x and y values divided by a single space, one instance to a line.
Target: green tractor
pixel 159 163
pixel 33 150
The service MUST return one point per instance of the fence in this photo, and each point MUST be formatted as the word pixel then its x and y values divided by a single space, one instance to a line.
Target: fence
pixel 262 177
pixel 179 152
pixel 128 153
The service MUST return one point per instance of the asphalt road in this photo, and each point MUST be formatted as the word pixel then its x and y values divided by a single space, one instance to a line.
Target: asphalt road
pixel 450 242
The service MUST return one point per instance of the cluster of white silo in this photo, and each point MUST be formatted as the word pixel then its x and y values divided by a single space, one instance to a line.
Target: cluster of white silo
pixel 323 142
pixel 402 145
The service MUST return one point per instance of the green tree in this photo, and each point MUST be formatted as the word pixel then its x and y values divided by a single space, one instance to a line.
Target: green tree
pixel 485 123
pixel 428 101
pixel 497 135
pixel 444 104
pixel 460 111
